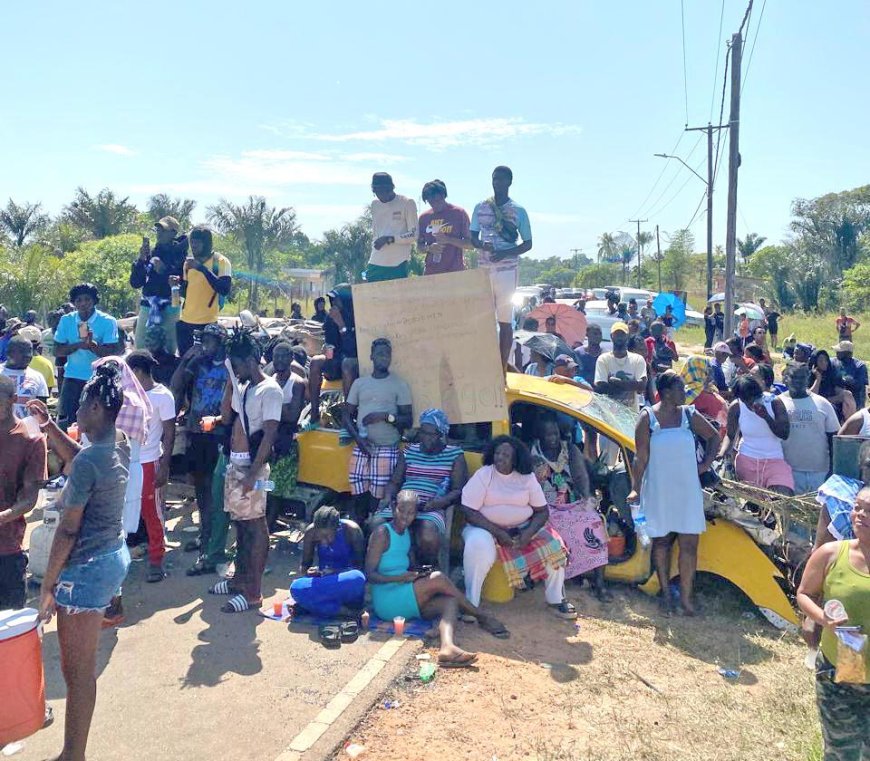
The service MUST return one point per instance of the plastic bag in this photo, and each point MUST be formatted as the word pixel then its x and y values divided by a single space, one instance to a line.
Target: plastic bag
pixel 851 655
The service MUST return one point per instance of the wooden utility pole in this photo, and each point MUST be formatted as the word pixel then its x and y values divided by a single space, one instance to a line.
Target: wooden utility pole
pixel 638 250
pixel 733 167
pixel 659 258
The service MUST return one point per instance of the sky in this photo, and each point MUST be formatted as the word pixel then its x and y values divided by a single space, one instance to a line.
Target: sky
pixel 302 102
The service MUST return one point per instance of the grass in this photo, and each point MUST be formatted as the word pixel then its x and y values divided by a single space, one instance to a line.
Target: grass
pixel 815 329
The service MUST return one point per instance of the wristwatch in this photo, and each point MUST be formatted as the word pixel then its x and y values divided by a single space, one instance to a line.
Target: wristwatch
pixel 391 419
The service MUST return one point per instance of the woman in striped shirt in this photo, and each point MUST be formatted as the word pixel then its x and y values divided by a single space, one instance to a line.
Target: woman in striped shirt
pixel 437 472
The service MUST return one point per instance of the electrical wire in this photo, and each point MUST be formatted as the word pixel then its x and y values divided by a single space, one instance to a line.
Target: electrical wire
pixel 660 209
pixel 676 176
pixel 685 69
pixel 717 160
pixel 718 55
pixel 665 167
pixel 697 209
pixel 752 49
pixel 745 17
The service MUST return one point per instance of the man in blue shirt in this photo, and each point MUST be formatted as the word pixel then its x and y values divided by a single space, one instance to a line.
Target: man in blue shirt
pixel 82 337
pixel 852 371
pixel 721 354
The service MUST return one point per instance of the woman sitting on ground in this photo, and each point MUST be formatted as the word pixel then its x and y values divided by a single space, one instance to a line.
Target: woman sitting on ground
pixel 437 472
pixel 841 571
pixel 763 425
pixel 336 583
pixel 828 383
pixel 667 469
pixel 399 591
pixel 507 515
pixel 697 377
pixel 564 478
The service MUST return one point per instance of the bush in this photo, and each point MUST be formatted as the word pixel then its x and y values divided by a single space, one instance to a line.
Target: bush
pixel 856 287
pixel 106 263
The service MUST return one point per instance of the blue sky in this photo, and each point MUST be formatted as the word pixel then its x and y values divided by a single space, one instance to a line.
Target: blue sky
pixel 301 102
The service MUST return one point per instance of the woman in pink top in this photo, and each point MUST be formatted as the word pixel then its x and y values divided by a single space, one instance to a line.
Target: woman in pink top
pixel 507 515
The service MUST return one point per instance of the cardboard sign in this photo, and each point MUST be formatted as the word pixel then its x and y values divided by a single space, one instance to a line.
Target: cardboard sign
pixel 445 341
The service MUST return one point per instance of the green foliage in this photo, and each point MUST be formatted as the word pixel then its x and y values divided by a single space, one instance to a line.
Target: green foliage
pixel 102 215
pixel 347 249
pixel 161 205
pixel 597 275
pixel 856 287
pixel 106 263
pixel 31 277
pixel 22 222
pixel 553 270
pixel 677 261
pixel 749 245
pixel 63 236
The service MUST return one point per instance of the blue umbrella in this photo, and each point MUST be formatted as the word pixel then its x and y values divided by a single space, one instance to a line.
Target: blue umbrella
pixel 675 302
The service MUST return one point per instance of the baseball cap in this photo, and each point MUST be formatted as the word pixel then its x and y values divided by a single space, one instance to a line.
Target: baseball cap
pixel 31 333
pixel 721 346
pixel 617 327
pixel 167 223
pixel 844 346
pixel 565 360
pixel 381 179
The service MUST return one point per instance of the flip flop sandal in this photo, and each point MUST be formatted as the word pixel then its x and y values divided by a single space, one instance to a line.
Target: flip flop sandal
pixel 201 569
pixel 155 575
pixel 221 588
pixel 237 604
pixel 564 610
pixel 459 663
pixel 349 632
pixel 467 618
pixel 329 636
pixel 495 628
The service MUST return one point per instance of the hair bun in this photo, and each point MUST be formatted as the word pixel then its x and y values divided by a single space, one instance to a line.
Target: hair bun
pixel 109 371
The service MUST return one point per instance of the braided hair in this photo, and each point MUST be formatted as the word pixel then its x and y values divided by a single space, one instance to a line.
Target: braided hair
pixel 105 389
pixel 242 345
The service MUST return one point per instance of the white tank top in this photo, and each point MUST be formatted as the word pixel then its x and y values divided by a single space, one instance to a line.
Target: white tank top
pixel 758 441
pixel 865 426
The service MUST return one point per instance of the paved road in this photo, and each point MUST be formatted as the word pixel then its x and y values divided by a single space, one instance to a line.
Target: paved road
pixel 182 680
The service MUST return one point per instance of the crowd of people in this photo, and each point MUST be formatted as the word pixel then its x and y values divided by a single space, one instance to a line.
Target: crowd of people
pixel 529 511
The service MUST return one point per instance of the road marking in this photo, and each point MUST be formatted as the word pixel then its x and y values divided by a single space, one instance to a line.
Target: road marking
pixel 316 728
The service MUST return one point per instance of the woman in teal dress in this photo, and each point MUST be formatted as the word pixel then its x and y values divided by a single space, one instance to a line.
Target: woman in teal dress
pixel 399 591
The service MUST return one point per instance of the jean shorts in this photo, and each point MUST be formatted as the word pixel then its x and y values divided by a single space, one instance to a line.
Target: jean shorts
pixel 90 586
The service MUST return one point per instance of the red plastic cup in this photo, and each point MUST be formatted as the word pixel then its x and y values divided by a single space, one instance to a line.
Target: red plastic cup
pixel 278 607
pixel 399 626
pixel 364 619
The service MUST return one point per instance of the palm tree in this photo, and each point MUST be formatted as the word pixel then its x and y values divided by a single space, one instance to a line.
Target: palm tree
pixel 258 228
pixel 161 205
pixel 102 215
pixel 643 240
pixel 749 245
pixel 606 247
pixel 22 222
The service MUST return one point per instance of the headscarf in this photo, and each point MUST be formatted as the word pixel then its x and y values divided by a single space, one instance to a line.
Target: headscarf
pixel 436 418
pixel 694 375
pixel 136 410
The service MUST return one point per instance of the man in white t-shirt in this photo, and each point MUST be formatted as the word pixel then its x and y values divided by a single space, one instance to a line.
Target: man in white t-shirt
pixel 619 373
pixel 394 231
pixel 155 456
pixel 29 383
pixel 812 425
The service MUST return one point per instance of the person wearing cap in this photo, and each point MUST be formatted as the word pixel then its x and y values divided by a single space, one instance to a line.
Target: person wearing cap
pixel 619 373
pixel 394 231
pixel 565 371
pixel 853 372
pixel 155 271
pixel 497 226
pixel 38 362
pixel 378 409
pixel 722 368
pixel 443 231
pixel 846 325
pixel 155 457
pixel 82 336
pixel 29 384
pixel 207 281
pixel 198 387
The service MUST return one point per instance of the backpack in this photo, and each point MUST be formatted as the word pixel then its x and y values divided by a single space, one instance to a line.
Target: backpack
pixel 215 270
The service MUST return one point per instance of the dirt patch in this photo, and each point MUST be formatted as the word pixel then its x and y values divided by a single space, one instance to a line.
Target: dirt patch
pixel 554 692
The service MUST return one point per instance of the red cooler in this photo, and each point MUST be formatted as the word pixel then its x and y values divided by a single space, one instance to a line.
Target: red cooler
pixel 22 682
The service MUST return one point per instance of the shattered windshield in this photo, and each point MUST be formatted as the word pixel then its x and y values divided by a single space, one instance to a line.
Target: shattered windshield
pixel 613 413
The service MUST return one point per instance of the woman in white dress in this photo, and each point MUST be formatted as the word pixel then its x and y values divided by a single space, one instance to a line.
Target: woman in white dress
pixel 666 472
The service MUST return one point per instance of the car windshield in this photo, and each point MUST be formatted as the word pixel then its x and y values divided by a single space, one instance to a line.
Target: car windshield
pixel 615 414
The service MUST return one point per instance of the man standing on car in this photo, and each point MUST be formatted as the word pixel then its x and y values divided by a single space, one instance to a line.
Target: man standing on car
pixel 394 230
pixel 156 272
pixel 378 409
pixel 443 231
pixel 497 226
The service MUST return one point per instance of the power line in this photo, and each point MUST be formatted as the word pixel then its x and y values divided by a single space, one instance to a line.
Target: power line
pixel 752 49
pixel 700 204
pixel 660 209
pixel 685 69
pixel 718 158
pixel 746 16
pixel 661 174
pixel 673 180
pixel 718 55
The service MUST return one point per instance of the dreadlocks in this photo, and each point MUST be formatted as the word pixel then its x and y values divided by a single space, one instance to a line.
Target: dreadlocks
pixel 105 388
pixel 242 345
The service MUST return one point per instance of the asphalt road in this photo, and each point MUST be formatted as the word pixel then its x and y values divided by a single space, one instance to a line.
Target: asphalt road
pixel 179 679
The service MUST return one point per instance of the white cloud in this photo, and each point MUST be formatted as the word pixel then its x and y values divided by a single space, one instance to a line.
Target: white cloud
pixel 434 135
pixel 118 150
pixel 555 218
pixel 375 158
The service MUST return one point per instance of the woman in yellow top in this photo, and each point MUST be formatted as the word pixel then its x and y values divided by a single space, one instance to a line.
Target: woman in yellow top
pixel 841 571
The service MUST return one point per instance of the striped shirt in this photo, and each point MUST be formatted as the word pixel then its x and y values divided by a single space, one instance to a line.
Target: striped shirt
pixel 429 474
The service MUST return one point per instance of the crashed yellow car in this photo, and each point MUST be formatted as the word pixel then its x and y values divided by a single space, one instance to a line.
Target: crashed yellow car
pixel 727 549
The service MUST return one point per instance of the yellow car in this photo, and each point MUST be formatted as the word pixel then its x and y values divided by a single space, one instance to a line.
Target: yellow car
pixel 725 549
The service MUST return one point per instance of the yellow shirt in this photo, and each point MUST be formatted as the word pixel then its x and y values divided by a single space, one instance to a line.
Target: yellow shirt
pixel 44 367
pixel 201 303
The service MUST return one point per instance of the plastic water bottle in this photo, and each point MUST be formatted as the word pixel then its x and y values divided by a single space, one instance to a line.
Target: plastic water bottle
pixel 639 519
pixel 264 485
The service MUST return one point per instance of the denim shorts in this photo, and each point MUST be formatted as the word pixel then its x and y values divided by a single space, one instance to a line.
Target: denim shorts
pixel 90 586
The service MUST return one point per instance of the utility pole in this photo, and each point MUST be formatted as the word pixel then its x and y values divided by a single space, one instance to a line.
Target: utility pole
pixel 638 249
pixel 659 258
pixel 733 167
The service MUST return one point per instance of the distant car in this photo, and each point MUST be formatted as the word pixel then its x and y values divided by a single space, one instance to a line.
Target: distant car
pixel 570 293
pixel 625 294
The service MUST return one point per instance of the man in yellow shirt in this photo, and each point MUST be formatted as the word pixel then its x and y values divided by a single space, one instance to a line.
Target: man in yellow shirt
pixel 207 280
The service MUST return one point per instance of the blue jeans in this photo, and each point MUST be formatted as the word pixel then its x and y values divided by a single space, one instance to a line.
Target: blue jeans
pixel 68 402
pixel 90 586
